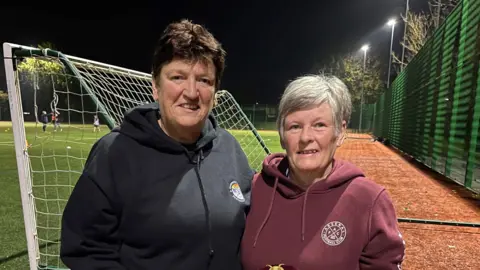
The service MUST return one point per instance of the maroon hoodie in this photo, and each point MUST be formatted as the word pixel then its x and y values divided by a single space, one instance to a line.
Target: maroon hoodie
pixel 343 222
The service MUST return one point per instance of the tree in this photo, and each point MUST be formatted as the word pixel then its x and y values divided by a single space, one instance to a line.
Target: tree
pixel 349 68
pixel 3 96
pixel 420 26
pixel 44 75
pixel 440 10
pixel 40 69
pixel 3 99
pixel 419 29
pixel 46 45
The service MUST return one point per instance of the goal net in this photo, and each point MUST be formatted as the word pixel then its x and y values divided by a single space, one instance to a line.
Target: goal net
pixel 55 100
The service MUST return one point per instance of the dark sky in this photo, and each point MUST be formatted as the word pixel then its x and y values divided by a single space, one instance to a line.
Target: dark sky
pixel 268 43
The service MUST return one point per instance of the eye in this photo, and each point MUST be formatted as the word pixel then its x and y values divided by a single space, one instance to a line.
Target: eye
pixel 206 81
pixel 293 127
pixel 319 125
pixel 176 77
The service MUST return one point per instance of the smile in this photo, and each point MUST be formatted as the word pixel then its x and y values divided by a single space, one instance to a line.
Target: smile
pixel 307 152
pixel 192 107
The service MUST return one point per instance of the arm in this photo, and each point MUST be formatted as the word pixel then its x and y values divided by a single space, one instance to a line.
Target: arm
pixel 89 237
pixel 248 191
pixel 385 249
pixel 247 173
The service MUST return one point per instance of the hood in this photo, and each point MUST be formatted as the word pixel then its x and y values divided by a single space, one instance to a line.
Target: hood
pixel 275 167
pixel 274 174
pixel 141 124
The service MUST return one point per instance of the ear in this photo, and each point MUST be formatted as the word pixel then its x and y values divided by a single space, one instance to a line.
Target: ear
pixel 215 100
pixel 282 140
pixel 343 134
pixel 154 90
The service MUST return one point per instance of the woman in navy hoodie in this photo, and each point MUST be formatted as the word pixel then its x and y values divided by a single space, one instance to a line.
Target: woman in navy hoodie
pixel 168 188
pixel 310 210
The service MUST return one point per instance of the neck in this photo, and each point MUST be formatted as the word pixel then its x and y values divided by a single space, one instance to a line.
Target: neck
pixel 306 179
pixel 188 136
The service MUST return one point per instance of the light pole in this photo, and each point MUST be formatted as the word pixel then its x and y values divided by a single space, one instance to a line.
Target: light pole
pixel 364 49
pixel 392 24
pixel 407 8
pixel 253 120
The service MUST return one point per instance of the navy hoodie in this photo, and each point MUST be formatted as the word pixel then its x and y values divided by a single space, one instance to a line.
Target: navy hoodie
pixel 145 201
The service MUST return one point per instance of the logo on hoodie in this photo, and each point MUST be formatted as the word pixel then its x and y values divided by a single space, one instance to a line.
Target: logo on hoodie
pixel 334 233
pixel 236 191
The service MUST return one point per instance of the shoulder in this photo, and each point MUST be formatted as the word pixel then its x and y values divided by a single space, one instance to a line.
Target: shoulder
pixel 362 188
pixel 109 147
pixel 229 150
pixel 262 182
pixel 227 142
pixel 109 141
pixel 225 137
pixel 258 180
pixel 279 160
pixel 101 158
pixel 366 186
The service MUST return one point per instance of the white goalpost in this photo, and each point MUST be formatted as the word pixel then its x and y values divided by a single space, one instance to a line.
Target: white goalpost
pixel 54 100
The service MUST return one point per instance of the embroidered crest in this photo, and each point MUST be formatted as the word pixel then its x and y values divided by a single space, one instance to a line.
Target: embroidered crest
pixel 276 267
pixel 236 191
pixel 334 233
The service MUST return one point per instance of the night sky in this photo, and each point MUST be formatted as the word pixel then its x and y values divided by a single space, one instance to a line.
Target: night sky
pixel 268 43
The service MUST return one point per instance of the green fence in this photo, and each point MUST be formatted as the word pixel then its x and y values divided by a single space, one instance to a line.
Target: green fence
pixel 432 109
pixel 367 116
pixel 263 116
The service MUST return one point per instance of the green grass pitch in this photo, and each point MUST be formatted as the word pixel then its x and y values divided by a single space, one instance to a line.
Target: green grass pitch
pixel 56 161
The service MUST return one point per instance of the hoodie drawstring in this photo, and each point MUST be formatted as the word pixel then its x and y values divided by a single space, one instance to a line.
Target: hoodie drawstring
pixel 304 211
pixel 269 211
pixel 197 162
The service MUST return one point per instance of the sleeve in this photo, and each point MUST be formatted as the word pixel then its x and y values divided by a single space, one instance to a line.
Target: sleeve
pixel 248 191
pixel 246 172
pixel 255 176
pixel 89 235
pixel 385 249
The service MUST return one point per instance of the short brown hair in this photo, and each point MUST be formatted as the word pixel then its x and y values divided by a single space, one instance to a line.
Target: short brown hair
pixel 189 41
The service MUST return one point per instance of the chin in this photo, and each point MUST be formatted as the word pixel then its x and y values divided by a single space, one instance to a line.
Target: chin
pixel 308 166
pixel 190 121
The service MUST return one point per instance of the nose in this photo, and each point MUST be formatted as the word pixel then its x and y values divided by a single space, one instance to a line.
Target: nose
pixel 191 91
pixel 306 136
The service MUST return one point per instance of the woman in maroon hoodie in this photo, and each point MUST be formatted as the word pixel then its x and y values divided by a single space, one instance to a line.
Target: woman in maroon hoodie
pixel 311 211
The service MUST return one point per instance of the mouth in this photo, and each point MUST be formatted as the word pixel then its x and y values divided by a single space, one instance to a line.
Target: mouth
pixel 307 152
pixel 190 107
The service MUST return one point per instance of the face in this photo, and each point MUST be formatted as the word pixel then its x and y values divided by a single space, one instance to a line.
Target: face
pixel 185 92
pixel 309 139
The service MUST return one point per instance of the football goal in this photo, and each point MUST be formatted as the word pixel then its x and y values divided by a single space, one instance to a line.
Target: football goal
pixel 55 99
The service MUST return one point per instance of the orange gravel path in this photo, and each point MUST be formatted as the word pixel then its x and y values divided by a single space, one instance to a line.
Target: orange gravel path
pixel 421 194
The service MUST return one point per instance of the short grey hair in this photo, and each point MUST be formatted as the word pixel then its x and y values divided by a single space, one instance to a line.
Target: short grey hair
pixel 314 90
